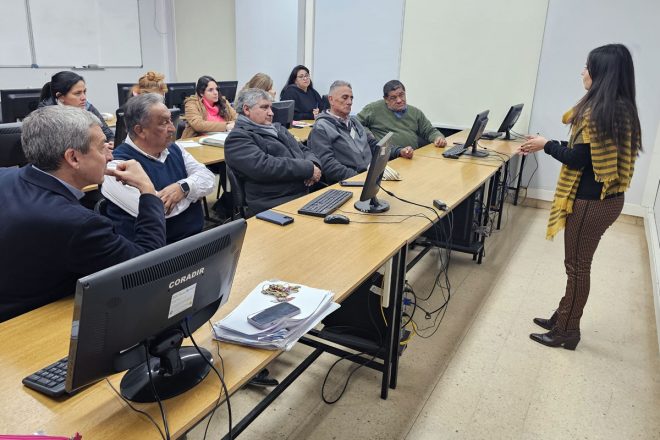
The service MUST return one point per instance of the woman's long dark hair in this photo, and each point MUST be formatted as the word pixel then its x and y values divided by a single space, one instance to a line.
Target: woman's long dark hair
pixel 294 74
pixel 60 83
pixel 611 97
pixel 222 104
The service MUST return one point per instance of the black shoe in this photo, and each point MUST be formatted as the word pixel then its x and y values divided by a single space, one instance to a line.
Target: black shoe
pixel 556 338
pixel 546 323
pixel 263 379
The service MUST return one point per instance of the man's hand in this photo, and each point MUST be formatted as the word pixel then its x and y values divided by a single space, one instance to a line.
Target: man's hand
pixel 230 125
pixel 171 195
pixel 130 172
pixel 316 176
pixel 532 145
pixel 440 141
pixel 407 152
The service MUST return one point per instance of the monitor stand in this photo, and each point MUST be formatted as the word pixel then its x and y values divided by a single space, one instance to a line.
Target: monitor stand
pixel 507 136
pixel 475 153
pixel 372 206
pixel 174 370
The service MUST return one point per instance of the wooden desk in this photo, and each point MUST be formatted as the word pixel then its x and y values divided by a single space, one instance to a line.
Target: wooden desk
pixel 302 133
pixel 206 154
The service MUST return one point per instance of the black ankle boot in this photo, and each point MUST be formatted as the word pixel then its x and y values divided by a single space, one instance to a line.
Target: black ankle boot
pixel 557 338
pixel 546 323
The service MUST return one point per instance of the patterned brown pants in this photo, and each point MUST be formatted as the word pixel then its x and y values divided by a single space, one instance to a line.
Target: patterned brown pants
pixel 584 228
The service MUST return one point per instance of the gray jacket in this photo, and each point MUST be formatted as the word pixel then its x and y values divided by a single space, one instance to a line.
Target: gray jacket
pixel 342 155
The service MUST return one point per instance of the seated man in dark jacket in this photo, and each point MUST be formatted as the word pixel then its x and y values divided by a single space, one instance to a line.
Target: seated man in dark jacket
pixel 49 239
pixel 344 146
pixel 272 165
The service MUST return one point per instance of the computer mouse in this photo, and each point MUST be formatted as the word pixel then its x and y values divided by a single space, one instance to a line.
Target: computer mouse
pixel 335 219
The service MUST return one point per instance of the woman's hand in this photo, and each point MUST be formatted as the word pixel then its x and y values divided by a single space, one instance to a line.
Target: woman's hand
pixel 230 125
pixel 532 145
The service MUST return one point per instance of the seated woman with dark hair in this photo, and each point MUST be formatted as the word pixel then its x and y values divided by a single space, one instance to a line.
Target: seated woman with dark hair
pixel 207 110
pixel 299 88
pixel 68 88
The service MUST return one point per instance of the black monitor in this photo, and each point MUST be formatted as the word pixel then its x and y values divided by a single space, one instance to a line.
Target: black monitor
pixel 121 131
pixel 368 200
pixel 283 112
pixel 124 91
pixel 477 129
pixel 18 103
pixel 11 151
pixel 228 89
pixel 150 304
pixel 177 93
pixel 510 120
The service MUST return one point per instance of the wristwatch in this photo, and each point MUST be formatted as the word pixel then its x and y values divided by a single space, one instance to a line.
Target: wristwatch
pixel 184 187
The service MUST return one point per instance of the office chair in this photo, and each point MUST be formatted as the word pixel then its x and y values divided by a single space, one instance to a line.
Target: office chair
pixel 238 195
pixel 11 151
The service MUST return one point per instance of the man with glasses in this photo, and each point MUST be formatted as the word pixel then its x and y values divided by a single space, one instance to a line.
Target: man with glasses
pixel 408 123
pixel 341 142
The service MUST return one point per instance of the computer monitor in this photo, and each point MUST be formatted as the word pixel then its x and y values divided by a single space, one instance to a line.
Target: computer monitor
pixel 368 200
pixel 475 133
pixel 228 89
pixel 121 131
pixel 11 151
pixel 124 91
pixel 18 103
pixel 510 120
pixel 283 112
pixel 150 304
pixel 177 93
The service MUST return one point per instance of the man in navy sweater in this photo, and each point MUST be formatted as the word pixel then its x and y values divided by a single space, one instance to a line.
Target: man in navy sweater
pixel 49 239
pixel 180 180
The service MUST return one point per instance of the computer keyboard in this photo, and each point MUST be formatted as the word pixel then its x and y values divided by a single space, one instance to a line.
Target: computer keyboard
pixel 49 380
pixel 454 152
pixel 326 203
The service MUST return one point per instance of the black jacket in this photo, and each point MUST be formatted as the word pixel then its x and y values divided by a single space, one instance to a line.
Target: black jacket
pixel 305 101
pixel 273 169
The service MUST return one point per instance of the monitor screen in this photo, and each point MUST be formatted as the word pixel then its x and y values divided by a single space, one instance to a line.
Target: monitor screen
pixel 283 112
pixel 475 133
pixel 368 200
pixel 124 91
pixel 149 304
pixel 228 89
pixel 18 103
pixel 11 151
pixel 510 120
pixel 177 93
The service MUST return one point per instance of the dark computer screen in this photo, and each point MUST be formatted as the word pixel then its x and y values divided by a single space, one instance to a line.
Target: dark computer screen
pixel 124 91
pixel 283 112
pixel 510 120
pixel 11 151
pixel 18 103
pixel 475 133
pixel 368 200
pixel 228 89
pixel 149 304
pixel 177 93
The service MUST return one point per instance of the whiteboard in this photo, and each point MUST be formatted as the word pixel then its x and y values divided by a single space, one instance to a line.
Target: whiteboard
pixel 76 33
pixel 14 34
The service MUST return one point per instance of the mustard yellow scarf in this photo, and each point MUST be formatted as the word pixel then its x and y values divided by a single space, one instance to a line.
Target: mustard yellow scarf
pixel 613 167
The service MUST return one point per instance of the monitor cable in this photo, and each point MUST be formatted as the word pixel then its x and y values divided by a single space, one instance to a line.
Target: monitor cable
pixel 153 389
pixel 130 405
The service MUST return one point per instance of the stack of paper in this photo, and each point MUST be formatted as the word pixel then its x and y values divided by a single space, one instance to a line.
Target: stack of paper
pixel 215 140
pixel 314 304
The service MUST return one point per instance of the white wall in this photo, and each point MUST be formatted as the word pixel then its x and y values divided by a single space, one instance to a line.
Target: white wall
pixel 156 27
pixel 462 57
pixel 572 30
pixel 205 39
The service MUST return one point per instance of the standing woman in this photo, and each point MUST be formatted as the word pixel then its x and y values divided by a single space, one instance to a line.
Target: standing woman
pixel 207 110
pixel 598 164
pixel 300 89
pixel 68 88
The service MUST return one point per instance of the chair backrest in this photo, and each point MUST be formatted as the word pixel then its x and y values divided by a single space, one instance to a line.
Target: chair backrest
pixel 325 103
pixel 238 194
pixel 11 151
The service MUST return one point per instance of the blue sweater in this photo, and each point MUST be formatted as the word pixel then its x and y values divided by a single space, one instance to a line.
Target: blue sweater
pixel 187 223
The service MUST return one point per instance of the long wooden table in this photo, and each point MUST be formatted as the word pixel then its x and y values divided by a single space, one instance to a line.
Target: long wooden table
pixel 334 257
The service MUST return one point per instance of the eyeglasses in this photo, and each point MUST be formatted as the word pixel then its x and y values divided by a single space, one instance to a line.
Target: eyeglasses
pixel 303 76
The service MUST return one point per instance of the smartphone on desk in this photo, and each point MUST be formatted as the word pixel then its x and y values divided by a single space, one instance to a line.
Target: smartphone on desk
pixel 275 217
pixel 269 317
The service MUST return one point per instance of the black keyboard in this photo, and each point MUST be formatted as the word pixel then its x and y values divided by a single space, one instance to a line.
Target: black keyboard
pixel 326 203
pixel 49 380
pixel 454 152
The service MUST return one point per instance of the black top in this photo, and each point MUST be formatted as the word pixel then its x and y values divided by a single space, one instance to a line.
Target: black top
pixel 577 158
pixel 305 101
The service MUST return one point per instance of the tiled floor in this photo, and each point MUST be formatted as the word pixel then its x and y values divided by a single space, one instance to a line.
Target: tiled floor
pixel 479 376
